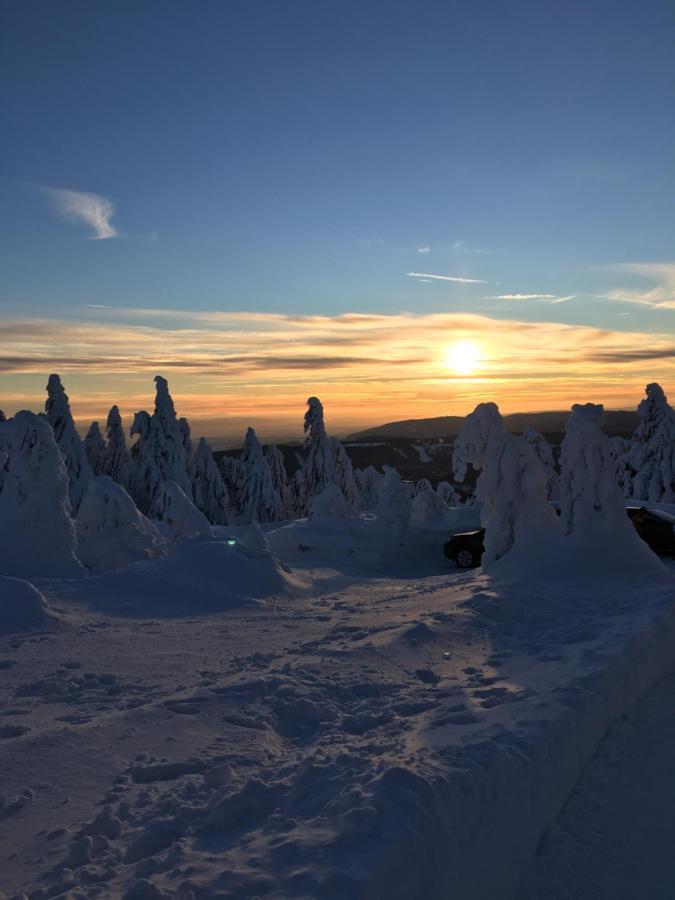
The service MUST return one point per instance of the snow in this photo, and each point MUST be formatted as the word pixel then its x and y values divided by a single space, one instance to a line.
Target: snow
pixel 22 607
pixel 178 516
pixel 652 452
pixel 111 531
pixel 59 416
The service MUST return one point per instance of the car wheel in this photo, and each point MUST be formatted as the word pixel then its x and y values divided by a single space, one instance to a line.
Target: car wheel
pixel 466 559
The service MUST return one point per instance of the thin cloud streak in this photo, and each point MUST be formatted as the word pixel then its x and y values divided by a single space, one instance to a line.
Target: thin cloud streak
pixel 92 210
pixel 455 279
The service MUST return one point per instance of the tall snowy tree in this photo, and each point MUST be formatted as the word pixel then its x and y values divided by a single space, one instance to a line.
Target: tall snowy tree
pixel 117 462
pixel 544 452
pixel 186 439
pixel 94 446
pixel 208 488
pixel 512 486
pixel 38 535
pixel 159 453
pixel 230 468
pixel 369 482
pixel 257 498
pixel 652 453
pixel 619 448
pixel 590 498
pixel 275 460
pixel 68 440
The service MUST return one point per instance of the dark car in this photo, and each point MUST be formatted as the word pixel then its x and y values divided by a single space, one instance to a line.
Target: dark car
pixel 655 527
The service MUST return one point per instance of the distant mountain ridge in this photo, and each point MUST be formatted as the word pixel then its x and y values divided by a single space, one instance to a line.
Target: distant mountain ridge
pixel 615 422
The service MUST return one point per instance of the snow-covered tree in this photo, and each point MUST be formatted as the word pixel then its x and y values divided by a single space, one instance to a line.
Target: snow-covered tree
pixel 117 462
pixel 330 502
pixel 275 460
pixel 159 453
pixel 590 498
pixel 545 453
pixel 393 505
pixel 230 472
pixel 448 494
pixel 423 485
pixel 111 532
pixel 178 516
pixel 94 446
pixel 619 449
pixel 652 453
pixel 208 488
pixel 428 509
pixel 186 439
pixel 344 474
pixel 258 501
pixel 368 481
pixel 68 440
pixel 511 487
pixel 3 417
pixel 38 536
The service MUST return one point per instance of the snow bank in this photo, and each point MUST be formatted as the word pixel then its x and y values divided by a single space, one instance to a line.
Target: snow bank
pixel 201 575
pixel 111 531
pixel 22 606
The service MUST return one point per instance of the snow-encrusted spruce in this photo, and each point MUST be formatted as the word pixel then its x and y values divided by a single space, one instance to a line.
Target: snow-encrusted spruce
pixel 275 460
pixel 186 438
pixel 511 487
pixel 326 462
pixel 258 500
pixel 111 532
pixel 393 505
pixel 94 446
pixel 368 481
pixel 545 453
pixel 428 509
pixel 117 463
pixel 38 535
pixel 330 503
pixel 208 488
pixel 230 472
pixel 179 517
pixel 68 440
pixel 619 449
pixel 652 453
pixel 590 498
pixel 448 494
pixel 159 453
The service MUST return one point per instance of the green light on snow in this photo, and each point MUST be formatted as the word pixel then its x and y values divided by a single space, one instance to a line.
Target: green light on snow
pixel 231 542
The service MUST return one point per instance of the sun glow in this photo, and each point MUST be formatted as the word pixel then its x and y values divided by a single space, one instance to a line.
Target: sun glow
pixel 463 357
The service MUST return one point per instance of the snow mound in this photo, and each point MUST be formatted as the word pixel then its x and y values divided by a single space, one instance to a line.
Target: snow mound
pixel 198 575
pixel 111 531
pixel 22 606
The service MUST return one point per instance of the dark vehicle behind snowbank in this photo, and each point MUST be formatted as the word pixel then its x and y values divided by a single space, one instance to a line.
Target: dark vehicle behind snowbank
pixel 655 527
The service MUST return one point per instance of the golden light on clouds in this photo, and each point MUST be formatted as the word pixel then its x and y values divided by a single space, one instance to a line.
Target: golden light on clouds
pixel 367 369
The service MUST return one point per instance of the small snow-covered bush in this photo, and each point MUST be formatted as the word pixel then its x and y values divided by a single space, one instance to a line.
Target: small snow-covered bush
pixel 394 505
pixel 428 509
pixel 111 531
pixel 330 502
pixel 179 517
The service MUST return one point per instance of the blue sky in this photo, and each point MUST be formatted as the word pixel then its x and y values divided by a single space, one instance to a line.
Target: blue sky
pixel 302 158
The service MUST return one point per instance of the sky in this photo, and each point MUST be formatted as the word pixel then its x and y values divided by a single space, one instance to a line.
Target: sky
pixel 402 207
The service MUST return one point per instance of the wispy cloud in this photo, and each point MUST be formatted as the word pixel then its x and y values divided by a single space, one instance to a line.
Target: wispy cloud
pixel 544 298
pixel 455 279
pixel 92 210
pixel 424 250
pixel 661 296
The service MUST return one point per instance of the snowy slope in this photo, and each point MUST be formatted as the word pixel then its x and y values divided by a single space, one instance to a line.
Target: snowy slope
pixel 320 733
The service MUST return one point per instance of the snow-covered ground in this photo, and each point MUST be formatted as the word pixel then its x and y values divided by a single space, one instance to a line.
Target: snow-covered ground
pixel 309 714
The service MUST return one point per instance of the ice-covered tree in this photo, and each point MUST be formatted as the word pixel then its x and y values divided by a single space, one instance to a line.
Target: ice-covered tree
pixel 275 460
pixel 258 501
pixel 230 472
pixel 111 531
pixel 590 498
pixel 619 449
pixel 511 487
pixel 94 446
pixel 117 462
pixel 208 488
pixel 428 509
pixel 178 516
pixel 331 503
pixel 448 494
pixel 652 453
pixel 545 453
pixel 368 481
pixel 344 474
pixel 159 453
pixel 186 439
pixel 68 440
pixel 38 536
pixel 393 505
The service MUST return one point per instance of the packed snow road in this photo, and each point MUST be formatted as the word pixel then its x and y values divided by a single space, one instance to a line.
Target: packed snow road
pixel 614 839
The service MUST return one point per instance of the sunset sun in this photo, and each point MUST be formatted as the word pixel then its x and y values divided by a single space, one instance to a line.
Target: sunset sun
pixel 463 357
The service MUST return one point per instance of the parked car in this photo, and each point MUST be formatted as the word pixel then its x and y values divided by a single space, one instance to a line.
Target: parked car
pixel 655 527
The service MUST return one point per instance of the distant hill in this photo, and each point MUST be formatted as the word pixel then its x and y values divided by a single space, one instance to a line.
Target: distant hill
pixel 616 422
